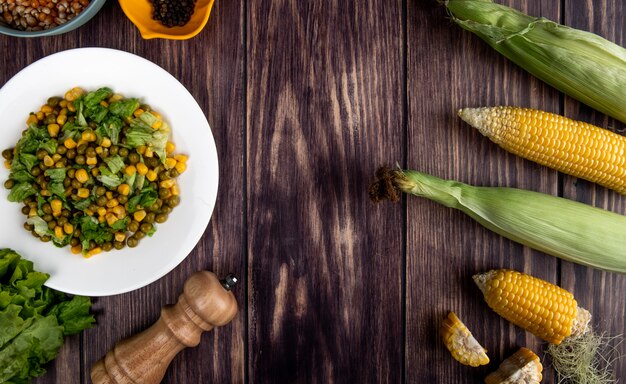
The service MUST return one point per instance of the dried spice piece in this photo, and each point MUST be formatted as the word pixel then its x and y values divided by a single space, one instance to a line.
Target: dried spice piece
pixel 173 13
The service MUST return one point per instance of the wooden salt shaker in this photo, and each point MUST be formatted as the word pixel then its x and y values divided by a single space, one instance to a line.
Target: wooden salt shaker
pixel 206 302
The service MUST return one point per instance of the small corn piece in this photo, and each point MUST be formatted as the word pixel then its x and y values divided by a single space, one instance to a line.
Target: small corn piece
pixel 170 163
pixel 73 94
pixel 81 175
pixel 169 183
pixel 543 309
pixel 76 249
pixel 7 164
pixel 53 129
pixel 169 147
pixel 93 252
pixel 92 160
pixel 112 203
pixel 68 228
pixel 460 342
pixel 523 367
pixel 32 119
pixel 151 175
pixel 61 119
pixel 106 142
pixel 119 211
pixel 58 232
pixel 47 161
pixel 142 169
pixel 46 108
pixel 69 143
pixel 102 211
pixel 130 170
pixel 123 189
pixel 110 218
pixel 139 215
pixel 120 236
pixel 82 192
pixel 180 167
pixel 56 205
pixel 573 147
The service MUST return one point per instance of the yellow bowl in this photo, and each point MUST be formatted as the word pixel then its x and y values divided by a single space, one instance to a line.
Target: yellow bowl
pixel 140 13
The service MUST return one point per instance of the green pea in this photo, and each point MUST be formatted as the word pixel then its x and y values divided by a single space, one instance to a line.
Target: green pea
pixel 133 226
pixel 80 159
pixel 71 153
pixel 107 246
pixel 118 245
pixel 25 210
pixel 123 152
pixel 81 149
pixel 8 154
pixel 113 150
pixel 47 209
pixel 9 183
pixel 100 191
pixel 41 153
pixel 133 158
pixel 139 235
pixel 146 227
pixel 161 218
pixel 61 149
pixel 132 242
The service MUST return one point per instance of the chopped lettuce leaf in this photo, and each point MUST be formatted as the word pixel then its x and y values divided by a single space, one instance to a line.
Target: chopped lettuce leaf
pixel 81 205
pixel 115 163
pixel 120 224
pixel 142 133
pixel 124 108
pixel 21 191
pixel 111 128
pixel 49 145
pixel 93 99
pixel 28 160
pixel 41 227
pixel 91 229
pixel 109 179
pixel 56 174
pixel 21 176
pixel 145 198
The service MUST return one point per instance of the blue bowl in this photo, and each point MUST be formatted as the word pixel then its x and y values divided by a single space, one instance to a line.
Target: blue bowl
pixel 83 17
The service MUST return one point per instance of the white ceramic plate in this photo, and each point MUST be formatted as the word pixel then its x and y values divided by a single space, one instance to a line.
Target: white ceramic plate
pixel 124 270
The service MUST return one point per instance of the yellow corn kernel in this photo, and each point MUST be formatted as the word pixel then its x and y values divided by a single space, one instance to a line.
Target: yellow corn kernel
pixel 45 192
pixel 102 211
pixel 120 236
pixel 104 104
pixel 68 228
pixel 110 218
pixel 174 190
pixel 69 143
pixel 82 192
pixel 139 215
pixel 53 129
pixel 157 124
pixel 81 175
pixel 123 189
pixel 88 212
pixel 61 119
pixel 95 171
pixel 58 232
pixel 461 344
pixel 169 147
pixel 167 183
pixel 109 195
pixel 46 108
pixel 141 149
pixel 156 114
pixel 181 167
pixel 88 136
pixel 138 112
pixel 148 152
pixel 142 169
pixel 102 219
pixel 151 175
pixel 93 252
pixel 573 147
pixel 56 157
pixel 130 170
pixel 7 164
pixel 524 366
pixel 32 212
pixel 63 104
pixel 170 163
pixel 541 308
pixel 76 249
pixel 181 158
pixel 119 211
pixel 115 97
pixel 56 205
pixel 71 107
pixel 106 142
pixel 113 203
pixel 32 119
pixel 73 94
pixel 47 161
pixel 91 160
pixel 99 150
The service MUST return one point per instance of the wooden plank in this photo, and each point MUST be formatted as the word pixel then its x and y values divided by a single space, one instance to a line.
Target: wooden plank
pixel 599 292
pixel 449 68
pixel 324 109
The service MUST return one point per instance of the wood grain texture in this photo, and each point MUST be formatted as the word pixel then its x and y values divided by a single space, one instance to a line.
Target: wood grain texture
pixel 324 108
pixel 449 68
pixel 305 101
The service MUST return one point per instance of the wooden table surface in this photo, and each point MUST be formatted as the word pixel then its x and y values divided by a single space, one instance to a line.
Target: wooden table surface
pixel 306 99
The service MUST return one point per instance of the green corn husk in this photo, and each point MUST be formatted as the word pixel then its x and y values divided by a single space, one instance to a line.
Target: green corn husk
pixel 581 64
pixel 559 227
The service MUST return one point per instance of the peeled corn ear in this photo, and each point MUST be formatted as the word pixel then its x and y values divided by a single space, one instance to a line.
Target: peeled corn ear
pixel 573 147
pixel 523 367
pixel 461 344
pixel 541 308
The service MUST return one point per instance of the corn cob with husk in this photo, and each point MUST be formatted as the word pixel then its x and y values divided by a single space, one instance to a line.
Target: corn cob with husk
pixel 573 147
pixel 560 227
pixel 543 309
pixel 523 367
pixel 461 343
pixel 581 64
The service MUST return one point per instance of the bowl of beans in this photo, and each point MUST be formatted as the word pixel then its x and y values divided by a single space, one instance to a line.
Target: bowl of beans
pixel 33 18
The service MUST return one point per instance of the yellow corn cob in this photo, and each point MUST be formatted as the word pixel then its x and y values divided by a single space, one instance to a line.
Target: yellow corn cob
pixel 523 367
pixel 541 308
pixel 461 344
pixel 572 147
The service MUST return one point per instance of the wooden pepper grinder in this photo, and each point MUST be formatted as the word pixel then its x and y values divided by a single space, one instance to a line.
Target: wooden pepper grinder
pixel 206 302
